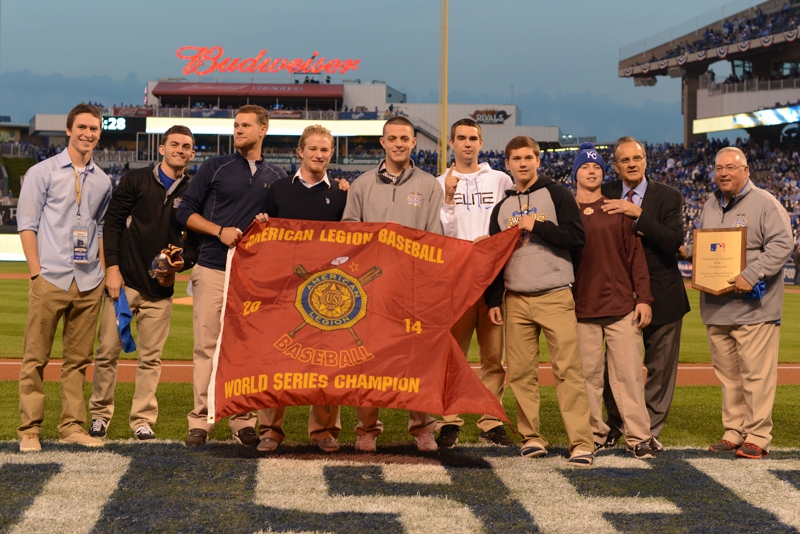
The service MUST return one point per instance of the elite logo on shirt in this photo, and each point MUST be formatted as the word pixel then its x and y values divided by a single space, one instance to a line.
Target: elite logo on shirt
pixel 484 199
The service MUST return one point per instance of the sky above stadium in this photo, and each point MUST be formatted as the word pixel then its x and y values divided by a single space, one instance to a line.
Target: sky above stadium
pixel 556 60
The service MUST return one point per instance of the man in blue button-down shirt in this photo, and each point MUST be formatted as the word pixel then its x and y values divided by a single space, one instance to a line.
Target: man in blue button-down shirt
pixel 61 207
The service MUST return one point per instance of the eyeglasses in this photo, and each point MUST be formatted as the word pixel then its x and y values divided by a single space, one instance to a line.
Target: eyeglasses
pixel 635 159
pixel 729 168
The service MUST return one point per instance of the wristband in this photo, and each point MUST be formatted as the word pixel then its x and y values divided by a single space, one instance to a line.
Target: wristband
pixel 34 277
pixel 219 235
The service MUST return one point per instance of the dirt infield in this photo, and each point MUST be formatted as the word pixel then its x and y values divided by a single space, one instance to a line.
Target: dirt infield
pixel 171 371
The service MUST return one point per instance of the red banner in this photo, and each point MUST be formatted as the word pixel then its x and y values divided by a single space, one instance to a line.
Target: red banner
pixel 353 314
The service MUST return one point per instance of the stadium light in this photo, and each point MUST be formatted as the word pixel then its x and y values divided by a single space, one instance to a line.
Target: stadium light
pixel 443 28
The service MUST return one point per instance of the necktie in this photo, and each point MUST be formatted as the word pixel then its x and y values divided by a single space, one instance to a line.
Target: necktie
pixel 630 195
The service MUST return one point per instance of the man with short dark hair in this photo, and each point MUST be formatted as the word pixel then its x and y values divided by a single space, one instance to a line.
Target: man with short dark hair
pixel 140 223
pixel 61 207
pixel 656 210
pixel 471 191
pixel 223 198
pixel 538 298
pixel 396 191
pixel 743 325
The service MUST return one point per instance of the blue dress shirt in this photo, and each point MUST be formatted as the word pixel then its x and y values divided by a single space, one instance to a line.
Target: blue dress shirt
pixel 47 205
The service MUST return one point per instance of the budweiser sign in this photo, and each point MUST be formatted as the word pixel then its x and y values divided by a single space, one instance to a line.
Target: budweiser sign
pixel 203 60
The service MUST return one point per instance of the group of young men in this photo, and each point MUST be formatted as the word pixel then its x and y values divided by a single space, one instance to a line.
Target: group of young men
pixel 597 273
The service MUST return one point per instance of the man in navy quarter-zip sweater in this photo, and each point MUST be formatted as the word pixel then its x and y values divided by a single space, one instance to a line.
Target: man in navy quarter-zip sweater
pixel 223 198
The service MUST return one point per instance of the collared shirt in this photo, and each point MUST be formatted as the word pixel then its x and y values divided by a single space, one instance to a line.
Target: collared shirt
pixel 722 197
pixel 638 192
pixel 383 171
pixel 47 206
pixel 308 185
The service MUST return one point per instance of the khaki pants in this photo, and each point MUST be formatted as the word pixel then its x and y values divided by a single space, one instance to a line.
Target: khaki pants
pixel 490 341
pixel 554 314
pixel 47 304
pixel 368 423
pixel 207 288
pixel 152 325
pixel 323 423
pixel 745 359
pixel 624 341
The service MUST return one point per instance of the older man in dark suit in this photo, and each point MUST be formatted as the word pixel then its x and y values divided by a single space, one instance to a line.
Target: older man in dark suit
pixel 657 211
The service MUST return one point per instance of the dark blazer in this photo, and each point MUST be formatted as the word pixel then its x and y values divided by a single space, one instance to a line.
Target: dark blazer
pixel 661 229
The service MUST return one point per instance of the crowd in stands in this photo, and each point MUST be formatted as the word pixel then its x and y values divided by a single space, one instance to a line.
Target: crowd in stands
pixel 312 79
pixel 690 170
pixel 737 30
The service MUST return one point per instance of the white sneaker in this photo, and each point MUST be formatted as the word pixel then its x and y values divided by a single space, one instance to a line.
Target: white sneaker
pixel 144 433
pixel 98 428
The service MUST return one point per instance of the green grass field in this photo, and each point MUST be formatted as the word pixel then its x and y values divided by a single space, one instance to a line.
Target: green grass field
pixel 14 298
pixel 695 419
pixel 162 486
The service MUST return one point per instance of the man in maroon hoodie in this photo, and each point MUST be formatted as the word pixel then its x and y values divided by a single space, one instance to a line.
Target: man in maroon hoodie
pixel 612 303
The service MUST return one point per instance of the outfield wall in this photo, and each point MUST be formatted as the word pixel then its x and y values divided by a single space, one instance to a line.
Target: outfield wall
pixel 11 250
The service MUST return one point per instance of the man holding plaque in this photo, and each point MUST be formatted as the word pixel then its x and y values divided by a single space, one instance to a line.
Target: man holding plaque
pixel 656 210
pixel 743 324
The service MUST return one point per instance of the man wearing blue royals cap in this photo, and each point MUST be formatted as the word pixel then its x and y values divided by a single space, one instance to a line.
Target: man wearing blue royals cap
pixel 612 304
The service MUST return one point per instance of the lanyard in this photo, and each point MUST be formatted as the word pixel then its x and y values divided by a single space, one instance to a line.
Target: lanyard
pixel 79 188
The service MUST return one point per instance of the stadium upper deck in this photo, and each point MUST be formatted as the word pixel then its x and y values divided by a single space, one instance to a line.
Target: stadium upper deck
pixel 759 39
pixel 353 111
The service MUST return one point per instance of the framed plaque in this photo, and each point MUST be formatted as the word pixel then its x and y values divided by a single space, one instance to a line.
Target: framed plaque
pixel 718 254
